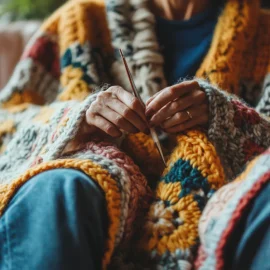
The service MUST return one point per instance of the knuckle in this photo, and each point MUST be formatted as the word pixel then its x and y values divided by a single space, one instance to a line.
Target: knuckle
pixel 175 105
pixel 181 104
pixel 135 103
pixel 194 84
pixel 115 89
pixel 126 113
pixel 111 88
pixel 100 97
pixel 200 95
pixel 119 121
pixel 178 116
pixel 92 109
pixel 88 112
pixel 173 90
pixel 109 129
pixel 94 104
pixel 89 117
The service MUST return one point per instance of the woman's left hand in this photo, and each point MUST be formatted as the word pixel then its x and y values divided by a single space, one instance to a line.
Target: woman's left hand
pixel 178 108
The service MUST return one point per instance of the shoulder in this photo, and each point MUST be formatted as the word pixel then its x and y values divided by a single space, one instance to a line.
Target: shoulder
pixel 73 12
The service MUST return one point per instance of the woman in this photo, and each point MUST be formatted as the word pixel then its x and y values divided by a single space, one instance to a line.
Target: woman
pixel 64 179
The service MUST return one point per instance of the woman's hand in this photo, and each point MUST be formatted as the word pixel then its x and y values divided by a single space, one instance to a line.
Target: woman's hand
pixel 115 110
pixel 178 108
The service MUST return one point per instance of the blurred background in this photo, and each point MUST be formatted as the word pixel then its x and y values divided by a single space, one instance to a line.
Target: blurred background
pixel 19 19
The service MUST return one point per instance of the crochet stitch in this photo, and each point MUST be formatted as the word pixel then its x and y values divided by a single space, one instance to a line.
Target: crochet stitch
pixel 74 53
pixel 225 209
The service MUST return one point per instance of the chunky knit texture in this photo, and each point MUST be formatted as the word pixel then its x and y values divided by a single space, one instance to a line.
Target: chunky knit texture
pixel 64 66
pixel 224 211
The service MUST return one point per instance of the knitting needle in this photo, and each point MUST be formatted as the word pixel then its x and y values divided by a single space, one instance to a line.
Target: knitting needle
pixel 137 95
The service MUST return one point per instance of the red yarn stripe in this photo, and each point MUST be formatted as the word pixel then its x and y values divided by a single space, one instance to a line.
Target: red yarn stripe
pixel 236 217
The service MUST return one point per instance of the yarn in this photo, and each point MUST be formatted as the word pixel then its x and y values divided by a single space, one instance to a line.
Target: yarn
pixel 96 173
pixel 234 32
pixel 193 173
pixel 232 125
pixel 225 210
pixel 83 37
pixel 140 193
pixel 142 150
pixel 6 127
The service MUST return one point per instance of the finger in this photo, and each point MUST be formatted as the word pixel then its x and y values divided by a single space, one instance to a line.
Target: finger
pixel 183 116
pixel 104 125
pixel 151 98
pixel 170 94
pixel 202 120
pixel 132 102
pixel 87 129
pixel 128 114
pixel 118 120
pixel 193 98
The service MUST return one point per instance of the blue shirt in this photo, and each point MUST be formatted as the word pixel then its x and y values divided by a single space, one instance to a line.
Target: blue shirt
pixel 184 44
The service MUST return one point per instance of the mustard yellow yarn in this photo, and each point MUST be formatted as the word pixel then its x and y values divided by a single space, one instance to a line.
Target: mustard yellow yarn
pixel 101 176
pixel 142 149
pixel 234 32
pixel 172 221
pixel 195 147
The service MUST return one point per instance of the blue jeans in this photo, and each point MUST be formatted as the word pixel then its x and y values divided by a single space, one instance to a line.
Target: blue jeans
pixel 249 245
pixel 57 220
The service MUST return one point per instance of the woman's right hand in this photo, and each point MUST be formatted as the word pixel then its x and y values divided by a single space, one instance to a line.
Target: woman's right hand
pixel 116 110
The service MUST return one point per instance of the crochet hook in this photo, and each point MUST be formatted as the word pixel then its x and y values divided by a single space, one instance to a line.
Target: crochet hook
pixel 137 95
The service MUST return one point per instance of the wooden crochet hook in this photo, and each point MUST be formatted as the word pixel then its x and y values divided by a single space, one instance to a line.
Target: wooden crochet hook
pixel 137 95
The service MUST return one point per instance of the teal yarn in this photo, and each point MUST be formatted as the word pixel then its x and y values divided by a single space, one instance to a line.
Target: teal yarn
pixel 190 178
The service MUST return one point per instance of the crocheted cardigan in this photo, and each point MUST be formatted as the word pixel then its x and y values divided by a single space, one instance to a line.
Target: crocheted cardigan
pixel 71 58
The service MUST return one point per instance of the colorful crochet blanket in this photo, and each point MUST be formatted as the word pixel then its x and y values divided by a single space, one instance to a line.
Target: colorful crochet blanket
pixel 69 61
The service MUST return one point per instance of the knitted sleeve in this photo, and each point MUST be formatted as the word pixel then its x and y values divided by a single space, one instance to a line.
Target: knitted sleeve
pixel 32 134
pixel 238 132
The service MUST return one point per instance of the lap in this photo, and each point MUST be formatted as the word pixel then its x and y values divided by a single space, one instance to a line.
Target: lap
pixel 51 221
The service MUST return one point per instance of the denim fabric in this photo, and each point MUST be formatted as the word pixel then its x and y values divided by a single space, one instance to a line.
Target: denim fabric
pixel 249 245
pixel 57 220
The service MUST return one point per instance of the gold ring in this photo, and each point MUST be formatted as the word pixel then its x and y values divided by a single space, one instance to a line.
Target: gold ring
pixel 189 114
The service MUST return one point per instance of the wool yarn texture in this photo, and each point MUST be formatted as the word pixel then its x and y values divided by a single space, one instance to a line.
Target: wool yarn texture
pixel 154 213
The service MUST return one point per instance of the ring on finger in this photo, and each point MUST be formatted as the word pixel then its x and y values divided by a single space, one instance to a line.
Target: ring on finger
pixel 189 114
